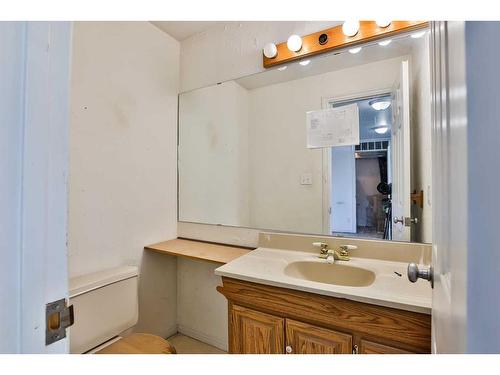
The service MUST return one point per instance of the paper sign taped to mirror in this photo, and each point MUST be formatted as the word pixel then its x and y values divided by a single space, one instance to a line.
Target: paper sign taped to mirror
pixel 332 127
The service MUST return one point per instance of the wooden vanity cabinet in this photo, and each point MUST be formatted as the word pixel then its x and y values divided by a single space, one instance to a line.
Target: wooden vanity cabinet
pixel 271 320
pixel 303 338
pixel 370 347
pixel 254 332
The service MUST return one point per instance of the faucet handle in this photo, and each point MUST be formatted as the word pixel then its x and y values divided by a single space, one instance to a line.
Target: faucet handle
pixel 348 247
pixel 322 245
pixel 344 249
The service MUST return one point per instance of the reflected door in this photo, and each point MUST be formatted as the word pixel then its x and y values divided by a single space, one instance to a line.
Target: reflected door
pixel 343 194
pixel 400 140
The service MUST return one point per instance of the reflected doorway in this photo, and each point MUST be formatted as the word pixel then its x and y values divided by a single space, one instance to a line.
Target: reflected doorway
pixel 360 176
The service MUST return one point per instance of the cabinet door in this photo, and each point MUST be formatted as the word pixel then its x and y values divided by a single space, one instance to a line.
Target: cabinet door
pixel 370 347
pixel 302 338
pixel 254 332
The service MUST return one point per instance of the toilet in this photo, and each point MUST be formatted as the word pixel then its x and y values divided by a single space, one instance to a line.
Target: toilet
pixel 106 308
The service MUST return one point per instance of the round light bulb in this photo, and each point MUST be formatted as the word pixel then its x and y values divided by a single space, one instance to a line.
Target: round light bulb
pixel 304 62
pixel 294 43
pixel 350 28
pixel 385 42
pixel 270 50
pixel 355 50
pixel 383 24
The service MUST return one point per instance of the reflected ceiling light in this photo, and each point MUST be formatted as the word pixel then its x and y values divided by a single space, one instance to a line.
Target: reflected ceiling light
pixel 355 50
pixel 294 43
pixel 382 129
pixel 350 28
pixel 383 24
pixel 380 104
pixel 270 50
pixel 304 62
pixel 420 34
pixel 281 68
pixel 385 42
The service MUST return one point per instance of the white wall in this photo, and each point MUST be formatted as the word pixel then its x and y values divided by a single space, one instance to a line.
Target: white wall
pixel 213 155
pixel 11 77
pixel 421 137
pixel 201 310
pixel 122 186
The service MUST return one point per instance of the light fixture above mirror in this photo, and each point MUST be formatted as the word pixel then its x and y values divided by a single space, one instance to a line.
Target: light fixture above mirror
pixel 348 36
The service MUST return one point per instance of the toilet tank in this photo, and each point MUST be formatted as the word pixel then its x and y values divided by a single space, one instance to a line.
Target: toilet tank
pixel 105 304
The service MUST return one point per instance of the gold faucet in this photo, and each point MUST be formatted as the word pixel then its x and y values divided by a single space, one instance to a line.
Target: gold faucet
pixel 342 253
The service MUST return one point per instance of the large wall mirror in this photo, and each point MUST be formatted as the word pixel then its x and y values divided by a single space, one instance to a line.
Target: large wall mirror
pixel 244 159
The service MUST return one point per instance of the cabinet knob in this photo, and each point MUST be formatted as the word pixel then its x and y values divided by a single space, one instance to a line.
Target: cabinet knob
pixel 289 349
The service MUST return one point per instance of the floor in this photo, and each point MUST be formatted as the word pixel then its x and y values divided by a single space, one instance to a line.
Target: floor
pixel 187 345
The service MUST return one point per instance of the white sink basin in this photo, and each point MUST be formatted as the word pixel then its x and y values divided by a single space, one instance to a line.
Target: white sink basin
pixel 367 280
pixel 337 274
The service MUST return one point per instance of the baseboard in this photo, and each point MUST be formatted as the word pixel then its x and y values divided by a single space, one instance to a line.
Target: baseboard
pixel 171 331
pixel 208 339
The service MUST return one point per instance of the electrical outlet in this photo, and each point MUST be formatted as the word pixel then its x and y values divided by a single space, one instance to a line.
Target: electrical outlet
pixel 306 179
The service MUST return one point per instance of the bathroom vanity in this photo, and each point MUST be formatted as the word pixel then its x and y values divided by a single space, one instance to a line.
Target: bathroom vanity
pixel 285 299
pixel 270 320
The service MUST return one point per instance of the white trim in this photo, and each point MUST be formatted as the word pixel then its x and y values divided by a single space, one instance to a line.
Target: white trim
pixel 44 180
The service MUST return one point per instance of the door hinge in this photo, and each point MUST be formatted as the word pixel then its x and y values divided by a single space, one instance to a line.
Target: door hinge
pixel 58 317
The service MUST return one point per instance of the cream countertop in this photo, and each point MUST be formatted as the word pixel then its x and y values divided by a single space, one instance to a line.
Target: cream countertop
pixel 267 266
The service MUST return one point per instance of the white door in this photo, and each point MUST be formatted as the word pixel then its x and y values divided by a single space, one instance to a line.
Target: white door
pixel 343 194
pixel 449 179
pixel 34 67
pixel 400 141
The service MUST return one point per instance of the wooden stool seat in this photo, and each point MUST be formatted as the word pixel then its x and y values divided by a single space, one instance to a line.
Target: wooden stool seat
pixel 139 343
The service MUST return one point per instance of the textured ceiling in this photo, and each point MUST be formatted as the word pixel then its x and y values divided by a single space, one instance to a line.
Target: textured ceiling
pixel 181 30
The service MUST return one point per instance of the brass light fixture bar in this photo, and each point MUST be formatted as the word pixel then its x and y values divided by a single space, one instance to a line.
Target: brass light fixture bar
pixel 312 44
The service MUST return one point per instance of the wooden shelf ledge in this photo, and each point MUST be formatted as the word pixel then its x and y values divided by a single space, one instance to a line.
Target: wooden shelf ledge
pixel 193 249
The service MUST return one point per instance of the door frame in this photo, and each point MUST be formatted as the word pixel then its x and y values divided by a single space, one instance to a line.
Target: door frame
pixel 327 155
pixel 404 159
pixel 449 119
pixel 42 188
